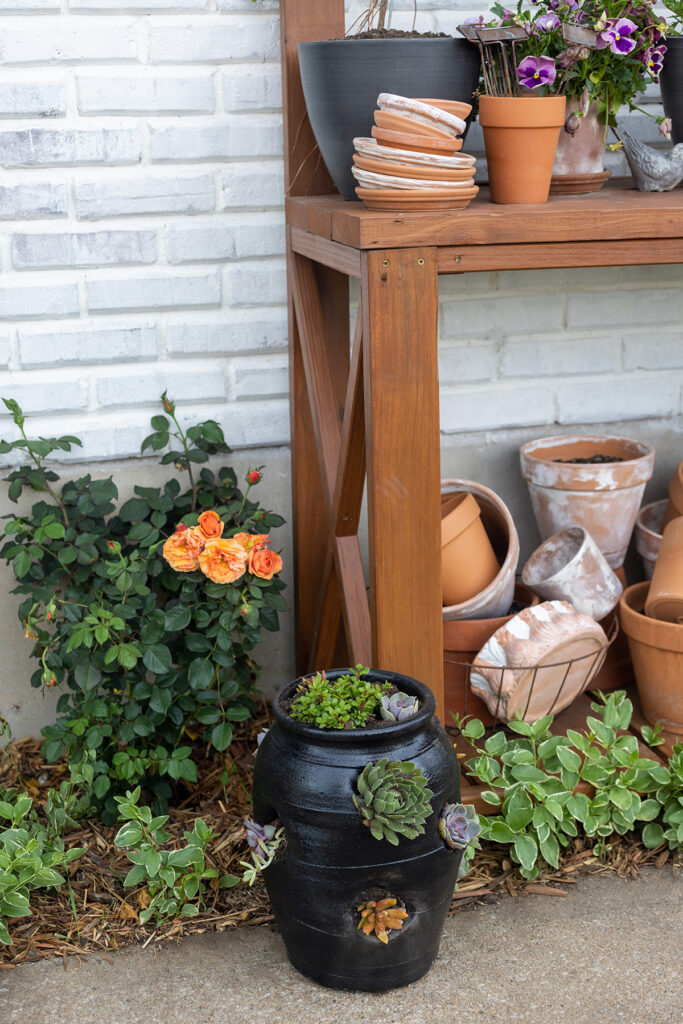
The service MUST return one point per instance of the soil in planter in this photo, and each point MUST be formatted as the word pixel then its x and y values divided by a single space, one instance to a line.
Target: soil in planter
pixel 395 33
pixel 374 722
pixel 593 460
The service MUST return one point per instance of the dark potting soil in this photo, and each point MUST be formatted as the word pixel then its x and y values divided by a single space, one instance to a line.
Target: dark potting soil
pixel 516 607
pixel 374 722
pixel 395 33
pixel 594 460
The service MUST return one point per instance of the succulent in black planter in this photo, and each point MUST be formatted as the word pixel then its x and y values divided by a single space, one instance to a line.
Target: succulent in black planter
pixel 362 856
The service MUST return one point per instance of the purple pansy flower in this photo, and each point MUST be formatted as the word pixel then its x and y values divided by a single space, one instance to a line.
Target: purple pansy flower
pixel 547 22
pixel 617 35
pixel 536 71
pixel 654 60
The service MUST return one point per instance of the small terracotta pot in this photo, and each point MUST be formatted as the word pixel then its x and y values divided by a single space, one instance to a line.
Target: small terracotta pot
pixel 496 598
pixel 468 562
pixel 674 507
pixel 657 653
pixel 665 600
pixel 462 641
pixel 649 534
pixel 520 135
pixel 570 567
pixel 604 498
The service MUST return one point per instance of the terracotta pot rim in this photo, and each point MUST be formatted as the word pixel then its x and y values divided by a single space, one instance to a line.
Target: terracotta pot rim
pixel 676 488
pixel 513 112
pixel 663 636
pixel 647 530
pixel 581 476
pixel 459 518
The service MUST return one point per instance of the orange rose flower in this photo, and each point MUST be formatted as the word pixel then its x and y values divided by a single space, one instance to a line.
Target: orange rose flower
pixel 210 524
pixel 250 541
pixel 223 561
pixel 264 563
pixel 180 551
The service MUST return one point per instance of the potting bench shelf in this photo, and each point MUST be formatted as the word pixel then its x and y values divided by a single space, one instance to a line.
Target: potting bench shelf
pixel 375 411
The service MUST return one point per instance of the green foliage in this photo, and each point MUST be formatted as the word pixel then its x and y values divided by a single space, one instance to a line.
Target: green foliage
pixel 393 799
pixel 143 655
pixel 668 796
pixel 176 878
pixel 339 703
pixel 675 7
pixel 29 859
pixel 533 777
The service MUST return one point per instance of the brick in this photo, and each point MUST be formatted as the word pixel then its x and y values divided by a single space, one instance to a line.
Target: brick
pixel 239 237
pixel 144 386
pixel 245 425
pixel 29 97
pixel 32 199
pixel 245 330
pixel 108 436
pixel 467 362
pixel 618 398
pixel 19 301
pixel 256 284
pixel 94 249
pixel 224 139
pixel 120 197
pixel 495 408
pixel 28 6
pixel 88 344
pixel 65 39
pixel 5 349
pixel 259 377
pixel 51 147
pixel 548 357
pixel 30 391
pixel 137 5
pixel 208 40
pixel 247 184
pixel 475 318
pixel 653 351
pixel 139 93
pixel 251 88
pixel 624 308
pixel 161 290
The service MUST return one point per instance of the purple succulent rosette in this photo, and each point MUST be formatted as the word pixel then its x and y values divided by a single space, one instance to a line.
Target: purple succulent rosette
pixel 397 707
pixel 618 35
pixel 534 72
pixel 258 836
pixel 459 825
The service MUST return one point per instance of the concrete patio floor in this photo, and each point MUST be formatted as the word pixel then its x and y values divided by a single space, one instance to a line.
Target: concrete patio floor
pixel 608 953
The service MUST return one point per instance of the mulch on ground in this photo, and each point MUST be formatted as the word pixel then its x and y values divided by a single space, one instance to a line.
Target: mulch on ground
pixel 95 913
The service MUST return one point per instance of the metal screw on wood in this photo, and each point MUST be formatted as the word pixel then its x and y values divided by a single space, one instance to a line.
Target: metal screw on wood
pixel 385 263
pixel 456 259
pixel 421 262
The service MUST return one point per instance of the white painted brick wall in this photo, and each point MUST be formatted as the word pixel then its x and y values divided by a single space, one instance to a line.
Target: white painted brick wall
pixel 142 236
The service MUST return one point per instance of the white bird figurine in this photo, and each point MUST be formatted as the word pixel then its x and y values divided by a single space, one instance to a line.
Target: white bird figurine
pixel 652 170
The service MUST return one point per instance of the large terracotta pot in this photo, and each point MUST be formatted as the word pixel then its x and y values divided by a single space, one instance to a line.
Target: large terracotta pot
pixel 657 652
pixel 520 135
pixel 674 506
pixel 649 534
pixel 604 498
pixel 665 599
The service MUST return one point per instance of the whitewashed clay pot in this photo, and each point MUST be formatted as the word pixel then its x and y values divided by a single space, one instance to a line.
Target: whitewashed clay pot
pixel 538 662
pixel 372 148
pixel 570 567
pixel 373 179
pixel 422 113
pixel 584 151
pixel 604 498
pixel 496 598
pixel 649 534
pixel 665 598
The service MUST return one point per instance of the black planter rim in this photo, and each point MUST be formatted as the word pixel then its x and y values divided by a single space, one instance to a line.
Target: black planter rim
pixel 406 684
pixel 439 40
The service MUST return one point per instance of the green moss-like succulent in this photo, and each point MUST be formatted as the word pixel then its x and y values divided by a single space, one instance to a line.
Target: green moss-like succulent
pixel 346 702
pixel 393 799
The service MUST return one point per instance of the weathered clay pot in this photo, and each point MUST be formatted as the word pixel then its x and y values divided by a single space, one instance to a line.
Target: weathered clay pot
pixel 496 598
pixel 665 599
pixel 462 641
pixel 584 151
pixel 657 653
pixel 674 506
pixel 468 562
pixel 538 662
pixel 520 136
pixel 649 534
pixel 570 567
pixel 604 498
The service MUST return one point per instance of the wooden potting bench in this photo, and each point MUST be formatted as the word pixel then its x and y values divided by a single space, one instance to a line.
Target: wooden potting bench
pixel 375 410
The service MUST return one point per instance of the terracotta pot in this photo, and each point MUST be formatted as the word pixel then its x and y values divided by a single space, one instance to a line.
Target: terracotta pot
pixel 520 135
pixel 468 561
pixel 665 599
pixel 674 506
pixel 604 498
pixel 657 652
pixel 570 567
pixel 496 598
pixel 584 151
pixel 415 141
pixel 462 110
pixel 462 641
pixel 649 534
pixel 400 123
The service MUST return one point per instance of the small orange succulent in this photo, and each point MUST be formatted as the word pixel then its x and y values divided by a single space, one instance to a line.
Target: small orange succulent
pixel 380 917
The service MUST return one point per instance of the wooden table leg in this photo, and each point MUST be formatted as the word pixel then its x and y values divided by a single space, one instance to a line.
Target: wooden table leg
pixel 400 307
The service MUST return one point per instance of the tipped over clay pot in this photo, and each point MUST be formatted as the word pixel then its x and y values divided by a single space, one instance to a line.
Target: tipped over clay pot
pixel 496 598
pixel 649 534
pixel 468 562
pixel 570 567
pixel 603 497
pixel 657 654
pixel 665 599
pixel 674 506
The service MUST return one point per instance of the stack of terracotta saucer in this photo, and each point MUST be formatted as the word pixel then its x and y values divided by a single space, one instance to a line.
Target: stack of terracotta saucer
pixel 413 160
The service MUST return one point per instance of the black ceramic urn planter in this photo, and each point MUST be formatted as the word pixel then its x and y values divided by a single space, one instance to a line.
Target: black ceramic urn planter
pixel 331 863
pixel 342 79
pixel 671 81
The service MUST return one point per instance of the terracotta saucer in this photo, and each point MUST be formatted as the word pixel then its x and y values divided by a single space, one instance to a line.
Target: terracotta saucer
pixel 399 123
pixel 424 113
pixel 577 184
pixel 370 148
pixel 461 110
pixel 393 199
pixel 425 173
pixel 370 179
pixel 416 143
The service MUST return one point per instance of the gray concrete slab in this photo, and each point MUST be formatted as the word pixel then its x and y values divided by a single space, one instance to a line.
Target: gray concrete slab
pixel 611 952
